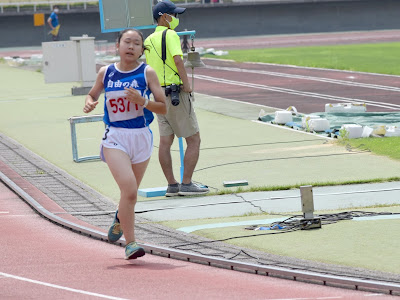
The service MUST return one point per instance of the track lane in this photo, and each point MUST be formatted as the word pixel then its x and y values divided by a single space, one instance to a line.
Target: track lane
pixel 42 260
pixel 305 88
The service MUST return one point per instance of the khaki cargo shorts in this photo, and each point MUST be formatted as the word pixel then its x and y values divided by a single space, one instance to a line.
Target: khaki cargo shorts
pixel 181 119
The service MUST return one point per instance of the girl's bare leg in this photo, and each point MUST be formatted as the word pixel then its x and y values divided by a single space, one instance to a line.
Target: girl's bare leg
pixel 128 178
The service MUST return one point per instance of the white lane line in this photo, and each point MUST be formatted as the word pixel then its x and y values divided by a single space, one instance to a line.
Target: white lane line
pixel 17 216
pixel 322 298
pixel 299 93
pixel 320 79
pixel 313 298
pixel 59 287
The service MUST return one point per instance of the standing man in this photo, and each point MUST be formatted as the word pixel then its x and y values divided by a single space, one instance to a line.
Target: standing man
pixel 164 55
pixel 54 24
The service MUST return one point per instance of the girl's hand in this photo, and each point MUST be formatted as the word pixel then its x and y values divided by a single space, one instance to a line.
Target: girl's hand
pixel 132 95
pixel 91 98
pixel 89 106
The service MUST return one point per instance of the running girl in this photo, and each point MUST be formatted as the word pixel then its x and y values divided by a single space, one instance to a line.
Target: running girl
pixel 128 141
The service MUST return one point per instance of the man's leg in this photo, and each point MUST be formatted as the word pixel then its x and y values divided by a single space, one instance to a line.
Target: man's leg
pixel 57 33
pixel 164 156
pixel 187 187
pixel 191 157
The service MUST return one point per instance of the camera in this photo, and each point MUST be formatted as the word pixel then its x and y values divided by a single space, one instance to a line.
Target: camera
pixel 174 90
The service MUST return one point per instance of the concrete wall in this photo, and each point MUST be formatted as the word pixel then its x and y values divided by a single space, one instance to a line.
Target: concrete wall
pixel 214 21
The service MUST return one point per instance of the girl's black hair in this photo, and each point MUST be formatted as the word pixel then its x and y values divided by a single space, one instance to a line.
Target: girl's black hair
pixel 121 33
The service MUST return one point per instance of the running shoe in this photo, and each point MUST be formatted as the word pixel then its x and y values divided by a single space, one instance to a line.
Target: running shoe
pixel 192 189
pixel 115 231
pixel 133 251
pixel 172 190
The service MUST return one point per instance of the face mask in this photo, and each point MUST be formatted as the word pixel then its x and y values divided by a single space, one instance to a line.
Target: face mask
pixel 174 23
pixel 56 10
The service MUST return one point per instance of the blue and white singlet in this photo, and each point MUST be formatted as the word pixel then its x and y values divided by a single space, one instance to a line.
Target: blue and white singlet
pixel 119 112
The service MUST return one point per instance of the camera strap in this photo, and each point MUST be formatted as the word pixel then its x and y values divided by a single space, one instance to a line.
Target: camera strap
pixel 164 46
pixel 163 56
pixel 164 53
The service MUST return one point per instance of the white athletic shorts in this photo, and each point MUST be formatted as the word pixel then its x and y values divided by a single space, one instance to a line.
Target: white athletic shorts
pixel 137 143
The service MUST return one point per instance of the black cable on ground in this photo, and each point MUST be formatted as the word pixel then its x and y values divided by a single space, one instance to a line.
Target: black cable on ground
pixel 289 225
pixel 249 145
pixel 278 158
pixel 231 238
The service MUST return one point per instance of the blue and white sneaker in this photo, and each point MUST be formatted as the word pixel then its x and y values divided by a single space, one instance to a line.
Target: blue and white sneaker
pixel 133 251
pixel 115 231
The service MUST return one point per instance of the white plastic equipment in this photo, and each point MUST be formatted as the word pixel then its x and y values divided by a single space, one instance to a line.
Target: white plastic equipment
pixel 355 131
pixel 283 117
pixel 306 119
pixel 367 131
pixel 392 131
pixel 345 107
pixel 319 124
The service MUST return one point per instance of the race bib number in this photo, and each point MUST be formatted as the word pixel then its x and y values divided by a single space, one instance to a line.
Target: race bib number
pixel 120 109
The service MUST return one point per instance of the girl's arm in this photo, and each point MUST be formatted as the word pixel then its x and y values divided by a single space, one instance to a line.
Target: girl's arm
pixel 158 106
pixel 94 93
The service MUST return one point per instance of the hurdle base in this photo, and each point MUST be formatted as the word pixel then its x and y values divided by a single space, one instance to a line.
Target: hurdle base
pixel 80 90
pixel 152 192
pixel 235 183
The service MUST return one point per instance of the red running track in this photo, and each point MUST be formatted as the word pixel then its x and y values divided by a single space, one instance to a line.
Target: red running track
pixel 41 260
pixel 306 89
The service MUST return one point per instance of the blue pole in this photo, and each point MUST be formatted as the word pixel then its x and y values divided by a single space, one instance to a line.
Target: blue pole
pixel 182 156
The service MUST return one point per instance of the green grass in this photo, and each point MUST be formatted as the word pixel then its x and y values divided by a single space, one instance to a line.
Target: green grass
pixel 297 186
pixel 388 146
pixel 373 58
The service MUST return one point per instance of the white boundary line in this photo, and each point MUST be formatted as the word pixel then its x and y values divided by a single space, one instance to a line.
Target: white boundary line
pixel 298 93
pixel 321 79
pixel 303 67
pixel 59 287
